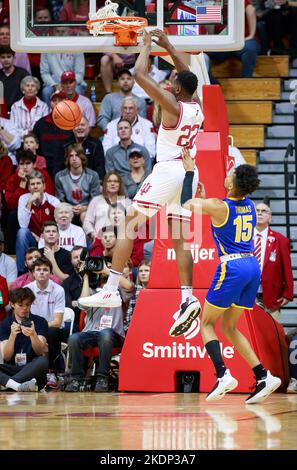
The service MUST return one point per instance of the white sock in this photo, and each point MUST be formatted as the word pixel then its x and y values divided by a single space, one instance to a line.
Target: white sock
pixel 187 293
pixel 13 384
pixel 113 281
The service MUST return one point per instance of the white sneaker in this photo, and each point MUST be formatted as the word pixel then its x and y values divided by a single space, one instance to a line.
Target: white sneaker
pixel 223 385
pixel 103 298
pixel 225 423
pixel 29 386
pixel 269 422
pixel 263 388
pixel 188 312
pixel 292 387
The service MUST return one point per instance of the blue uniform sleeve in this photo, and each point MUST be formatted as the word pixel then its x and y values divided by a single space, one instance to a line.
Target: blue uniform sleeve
pixel 187 191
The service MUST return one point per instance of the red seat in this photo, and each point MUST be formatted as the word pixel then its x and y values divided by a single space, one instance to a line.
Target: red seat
pixel 93 352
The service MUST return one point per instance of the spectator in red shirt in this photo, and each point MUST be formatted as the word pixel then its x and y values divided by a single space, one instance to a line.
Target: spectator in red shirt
pixel 31 255
pixel 34 209
pixel 6 167
pixel 116 215
pixel 17 184
pixel 75 10
pixel 4 298
pixel 31 142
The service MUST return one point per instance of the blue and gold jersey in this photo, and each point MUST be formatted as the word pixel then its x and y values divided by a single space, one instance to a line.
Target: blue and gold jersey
pixel 235 234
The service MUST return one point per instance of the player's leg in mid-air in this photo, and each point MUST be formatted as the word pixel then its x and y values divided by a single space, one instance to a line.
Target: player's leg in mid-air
pixel 190 306
pixel 162 185
pixel 228 301
pixel 109 296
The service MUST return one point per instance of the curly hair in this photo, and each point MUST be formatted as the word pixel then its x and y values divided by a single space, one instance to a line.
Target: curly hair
pixel 188 81
pixel 18 296
pixel 246 180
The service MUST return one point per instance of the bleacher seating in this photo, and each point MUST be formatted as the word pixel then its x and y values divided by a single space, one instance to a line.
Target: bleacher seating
pixel 266 66
pixel 249 101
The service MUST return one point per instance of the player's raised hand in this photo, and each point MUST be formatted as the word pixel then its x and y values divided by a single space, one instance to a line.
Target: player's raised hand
pixel 188 162
pixel 146 38
pixel 201 190
pixel 162 39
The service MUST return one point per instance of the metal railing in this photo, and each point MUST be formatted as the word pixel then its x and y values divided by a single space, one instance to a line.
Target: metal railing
pixel 289 179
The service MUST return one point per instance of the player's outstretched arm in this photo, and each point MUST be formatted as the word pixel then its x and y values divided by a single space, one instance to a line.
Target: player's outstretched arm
pixel 156 93
pixel 162 41
pixel 215 208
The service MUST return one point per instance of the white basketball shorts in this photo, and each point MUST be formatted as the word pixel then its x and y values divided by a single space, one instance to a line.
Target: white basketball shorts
pixel 163 187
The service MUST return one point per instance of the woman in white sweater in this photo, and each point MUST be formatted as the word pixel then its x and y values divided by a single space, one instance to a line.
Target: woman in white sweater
pixel 113 193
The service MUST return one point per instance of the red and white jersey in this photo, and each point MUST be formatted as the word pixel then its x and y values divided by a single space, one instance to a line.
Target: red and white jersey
pixel 171 139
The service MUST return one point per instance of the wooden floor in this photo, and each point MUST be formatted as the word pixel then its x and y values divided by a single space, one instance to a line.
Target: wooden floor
pixel 118 421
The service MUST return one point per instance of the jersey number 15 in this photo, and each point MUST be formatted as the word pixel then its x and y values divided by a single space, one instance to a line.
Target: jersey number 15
pixel 244 228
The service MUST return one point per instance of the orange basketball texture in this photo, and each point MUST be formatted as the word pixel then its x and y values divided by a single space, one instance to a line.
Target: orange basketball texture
pixel 67 115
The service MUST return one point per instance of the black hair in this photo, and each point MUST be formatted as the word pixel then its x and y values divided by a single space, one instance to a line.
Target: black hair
pixel 31 249
pixel 6 49
pixel 108 228
pixel 50 223
pixel 25 155
pixel 122 71
pixel 246 180
pixel 188 81
pixel 17 296
pixel 42 261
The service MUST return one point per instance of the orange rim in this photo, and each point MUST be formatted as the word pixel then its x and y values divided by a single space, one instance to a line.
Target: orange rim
pixel 110 28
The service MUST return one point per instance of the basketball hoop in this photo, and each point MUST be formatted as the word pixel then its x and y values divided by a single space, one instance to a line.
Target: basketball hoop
pixel 125 28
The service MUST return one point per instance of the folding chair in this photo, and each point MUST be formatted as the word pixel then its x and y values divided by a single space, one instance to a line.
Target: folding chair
pixel 69 316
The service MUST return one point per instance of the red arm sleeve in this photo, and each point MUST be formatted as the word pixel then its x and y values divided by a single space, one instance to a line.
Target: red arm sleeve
pixel 6 171
pixel 13 192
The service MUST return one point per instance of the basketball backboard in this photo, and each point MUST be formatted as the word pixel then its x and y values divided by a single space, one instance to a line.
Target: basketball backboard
pixel 191 25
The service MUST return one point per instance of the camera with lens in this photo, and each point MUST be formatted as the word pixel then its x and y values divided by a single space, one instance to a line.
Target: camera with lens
pixel 26 322
pixel 94 264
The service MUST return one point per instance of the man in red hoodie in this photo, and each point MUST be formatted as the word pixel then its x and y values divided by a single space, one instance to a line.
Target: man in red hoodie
pixel 16 186
pixel 34 209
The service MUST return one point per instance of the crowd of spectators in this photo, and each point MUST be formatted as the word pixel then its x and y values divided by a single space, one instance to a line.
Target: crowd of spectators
pixel 64 193
pixel 63 196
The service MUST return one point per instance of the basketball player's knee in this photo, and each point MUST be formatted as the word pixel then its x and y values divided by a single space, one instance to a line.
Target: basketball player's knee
pixel 227 329
pixel 206 322
pixel 104 60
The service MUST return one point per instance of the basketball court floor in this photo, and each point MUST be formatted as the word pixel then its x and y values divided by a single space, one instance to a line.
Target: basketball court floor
pixel 142 421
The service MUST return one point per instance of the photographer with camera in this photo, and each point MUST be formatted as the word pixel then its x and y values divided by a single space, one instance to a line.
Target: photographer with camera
pixel 73 284
pixel 103 328
pixel 24 342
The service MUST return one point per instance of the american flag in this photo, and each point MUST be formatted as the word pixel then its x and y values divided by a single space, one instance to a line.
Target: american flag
pixel 211 14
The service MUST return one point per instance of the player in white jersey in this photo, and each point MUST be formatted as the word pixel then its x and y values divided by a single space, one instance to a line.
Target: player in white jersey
pixel 181 121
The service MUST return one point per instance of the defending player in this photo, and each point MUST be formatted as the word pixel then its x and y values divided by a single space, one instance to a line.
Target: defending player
pixel 236 281
pixel 181 120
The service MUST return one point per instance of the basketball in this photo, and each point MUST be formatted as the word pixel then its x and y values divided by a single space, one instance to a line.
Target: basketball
pixel 67 115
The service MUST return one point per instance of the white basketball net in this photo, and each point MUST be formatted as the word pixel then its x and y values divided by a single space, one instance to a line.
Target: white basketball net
pixel 108 11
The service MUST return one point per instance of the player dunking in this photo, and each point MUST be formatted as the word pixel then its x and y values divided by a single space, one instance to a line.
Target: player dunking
pixel 237 278
pixel 181 120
